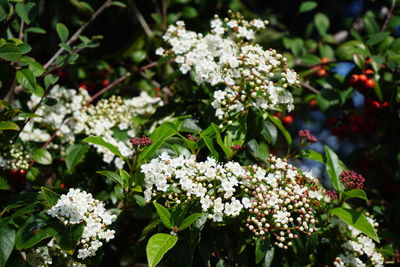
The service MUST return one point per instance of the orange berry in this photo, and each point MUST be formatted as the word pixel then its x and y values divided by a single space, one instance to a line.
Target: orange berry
pixel 321 73
pixel 368 71
pixel 324 60
pixel 362 78
pixel 288 119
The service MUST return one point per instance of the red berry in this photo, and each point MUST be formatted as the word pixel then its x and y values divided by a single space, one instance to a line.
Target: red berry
pixel 22 173
pixel 375 104
pixel 288 119
pixel 313 104
pixel 385 105
pixel 321 73
pixel 105 82
pixel 83 86
pixel 370 83
pixel 362 78
pixel 369 71
pixel 278 115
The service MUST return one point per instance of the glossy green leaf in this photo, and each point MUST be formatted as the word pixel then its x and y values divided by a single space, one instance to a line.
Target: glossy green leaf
pixel 7 241
pixel 357 220
pixel 334 167
pixel 264 249
pixel 280 126
pixel 26 78
pixel 307 6
pixel 42 156
pixel 69 237
pixel 112 176
pixel 62 32
pixel 74 155
pixel 97 140
pixel 355 193
pixel 158 245
pixel 10 52
pixel 189 220
pixel 50 196
pixel 269 132
pixel 8 125
pixel 126 177
pixel 25 11
pixel 164 215
pixel 312 154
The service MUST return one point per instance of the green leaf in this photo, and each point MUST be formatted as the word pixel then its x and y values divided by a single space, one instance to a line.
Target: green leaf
pixel 158 245
pixel 312 154
pixel 42 156
pixel 126 177
pixel 49 101
pixel 118 3
pixel 50 196
pixel 67 239
pixel 164 215
pixel 328 98
pixel 26 78
pixel 321 21
pixel 264 249
pixel 307 6
pixel 35 229
pixel 3 184
pixel 354 193
pixel 376 38
pixel 189 12
pixel 36 30
pixel 24 200
pixel 7 241
pixel 49 79
pixel 227 150
pixel 283 130
pixel 97 140
pixel 112 175
pixel 269 256
pixel 62 32
pixel 189 221
pixel 269 132
pixel 138 56
pixel 25 11
pixel 8 125
pixel 334 167
pixel 10 52
pixel 357 220
pixel 75 154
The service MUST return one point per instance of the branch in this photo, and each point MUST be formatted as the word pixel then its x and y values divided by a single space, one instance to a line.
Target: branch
pixel 309 87
pixel 142 21
pixel 389 16
pixel 74 37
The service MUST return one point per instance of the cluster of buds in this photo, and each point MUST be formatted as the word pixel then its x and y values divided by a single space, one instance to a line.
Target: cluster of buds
pixel 236 147
pixel 352 179
pixel 15 159
pixel 307 137
pixel 140 141
pixel 192 137
pixel 332 194
pixel 251 76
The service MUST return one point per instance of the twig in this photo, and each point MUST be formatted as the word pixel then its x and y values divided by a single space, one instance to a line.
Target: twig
pixel 21 30
pixel 74 37
pixel 389 16
pixel 309 87
pixel 142 21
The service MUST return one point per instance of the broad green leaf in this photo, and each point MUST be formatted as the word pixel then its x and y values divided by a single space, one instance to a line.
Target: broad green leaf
pixel 269 132
pixel 112 175
pixel 357 220
pixel 263 249
pixel 283 130
pixel 3 184
pixel 158 245
pixel 126 177
pixel 307 6
pixel 75 154
pixel 42 156
pixel 62 32
pixel 97 140
pixel 7 241
pixel 164 215
pixel 312 154
pixel 25 11
pixel 227 150
pixel 50 196
pixel 189 221
pixel 8 125
pixel 69 237
pixel 26 78
pixel 24 200
pixel 49 80
pixel 35 229
pixel 269 256
pixel 321 21
pixel 10 52
pixel 355 193
pixel 334 167
pixel 376 38
pixel 210 145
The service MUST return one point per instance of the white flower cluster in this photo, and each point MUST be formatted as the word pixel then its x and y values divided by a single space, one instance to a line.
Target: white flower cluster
pixel 51 254
pixel 77 207
pixel 114 113
pixel 71 117
pixel 250 75
pixel 279 197
pixel 14 159
pixel 51 115
pixel 356 246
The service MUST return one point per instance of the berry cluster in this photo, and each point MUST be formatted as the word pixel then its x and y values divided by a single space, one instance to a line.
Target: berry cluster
pixel 320 69
pixel 140 141
pixel 352 179
pixel 364 82
pixel 306 136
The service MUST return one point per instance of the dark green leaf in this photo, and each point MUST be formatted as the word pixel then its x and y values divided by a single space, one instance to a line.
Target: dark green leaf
pixel 189 12
pixel 164 215
pixel 3 184
pixel 307 6
pixel 8 125
pixel 158 245
pixel 334 167
pixel 283 130
pixel 112 175
pixel 75 154
pixel 189 220
pixel 69 237
pixel 50 196
pixel 25 11
pixel 269 132
pixel 7 241
pixel 355 193
pixel 62 32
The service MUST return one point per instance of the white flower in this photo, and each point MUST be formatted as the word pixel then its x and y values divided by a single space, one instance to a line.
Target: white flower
pixel 160 51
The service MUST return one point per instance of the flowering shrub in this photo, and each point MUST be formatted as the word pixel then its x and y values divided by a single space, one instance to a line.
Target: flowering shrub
pixel 201 140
